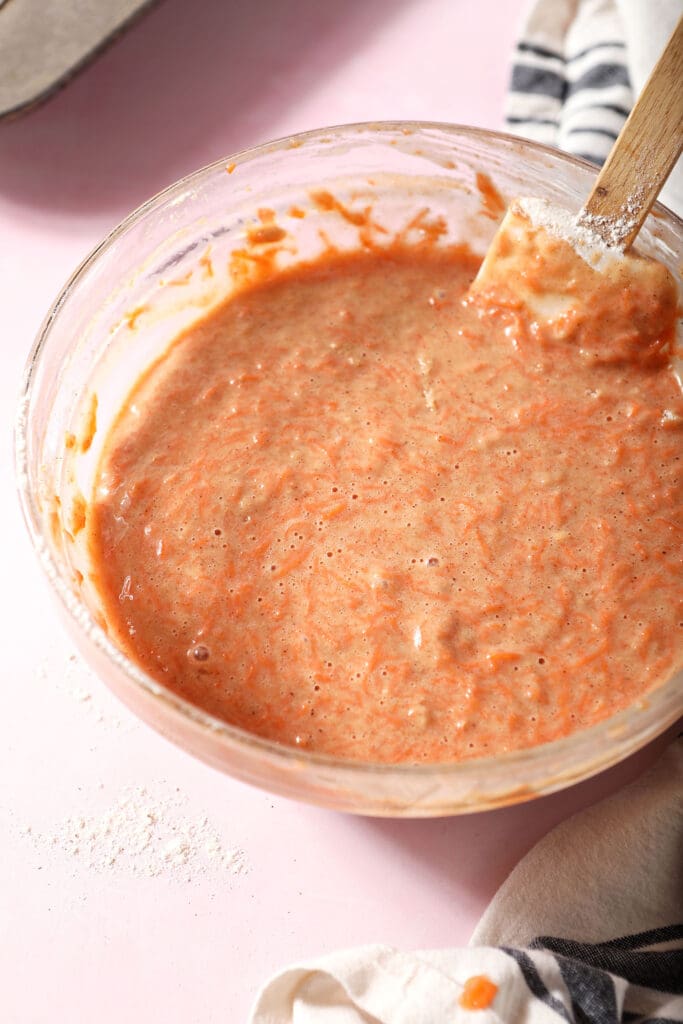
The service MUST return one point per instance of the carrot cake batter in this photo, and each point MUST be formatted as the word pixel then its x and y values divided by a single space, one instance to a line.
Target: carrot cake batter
pixel 356 511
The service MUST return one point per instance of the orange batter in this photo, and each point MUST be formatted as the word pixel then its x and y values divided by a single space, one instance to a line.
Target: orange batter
pixel 355 512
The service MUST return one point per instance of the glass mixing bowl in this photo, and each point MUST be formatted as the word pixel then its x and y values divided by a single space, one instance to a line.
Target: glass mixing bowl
pixel 166 265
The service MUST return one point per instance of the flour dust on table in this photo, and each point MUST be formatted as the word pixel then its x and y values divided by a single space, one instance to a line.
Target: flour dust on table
pixel 146 831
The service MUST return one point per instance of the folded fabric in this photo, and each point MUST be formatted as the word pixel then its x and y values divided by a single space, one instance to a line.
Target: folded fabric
pixel 380 985
pixel 562 922
pixel 577 67
pixel 614 869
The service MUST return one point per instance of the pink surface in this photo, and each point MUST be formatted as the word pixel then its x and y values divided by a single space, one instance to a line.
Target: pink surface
pixel 193 82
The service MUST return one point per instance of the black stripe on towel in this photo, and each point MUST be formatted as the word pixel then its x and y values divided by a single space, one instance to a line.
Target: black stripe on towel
pixel 637 1018
pixel 601 76
pixel 653 937
pixel 614 108
pixel 538 80
pixel 538 51
pixel 596 46
pixel 535 982
pixel 662 971
pixel 593 131
pixel 591 991
pixel 531 120
pixel 590 158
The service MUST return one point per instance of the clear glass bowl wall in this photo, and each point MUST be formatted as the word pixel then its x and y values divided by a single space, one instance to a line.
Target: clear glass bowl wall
pixel 148 280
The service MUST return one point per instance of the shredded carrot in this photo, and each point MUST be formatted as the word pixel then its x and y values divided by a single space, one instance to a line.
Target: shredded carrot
pixel 345 548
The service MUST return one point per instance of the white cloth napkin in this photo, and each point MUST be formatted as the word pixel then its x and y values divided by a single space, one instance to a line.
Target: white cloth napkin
pixel 578 65
pixel 563 924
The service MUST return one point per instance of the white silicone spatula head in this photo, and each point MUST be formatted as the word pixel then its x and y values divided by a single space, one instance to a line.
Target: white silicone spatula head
pixel 628 184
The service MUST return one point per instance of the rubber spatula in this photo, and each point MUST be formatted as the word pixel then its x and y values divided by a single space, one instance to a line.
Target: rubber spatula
pixel 600 235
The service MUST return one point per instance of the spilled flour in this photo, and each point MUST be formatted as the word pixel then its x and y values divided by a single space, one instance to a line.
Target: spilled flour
pixel 146 832
pixel 76 681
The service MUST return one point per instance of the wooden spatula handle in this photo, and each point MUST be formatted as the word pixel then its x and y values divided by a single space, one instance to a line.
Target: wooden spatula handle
pixel 644 154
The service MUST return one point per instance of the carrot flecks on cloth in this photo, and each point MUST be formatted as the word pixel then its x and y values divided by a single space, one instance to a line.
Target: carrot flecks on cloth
pixel 478 993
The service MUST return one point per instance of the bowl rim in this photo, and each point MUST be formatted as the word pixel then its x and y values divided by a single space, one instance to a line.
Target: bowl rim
pixel 500 765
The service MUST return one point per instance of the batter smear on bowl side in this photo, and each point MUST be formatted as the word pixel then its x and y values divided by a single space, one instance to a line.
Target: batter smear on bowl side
pixel 359 511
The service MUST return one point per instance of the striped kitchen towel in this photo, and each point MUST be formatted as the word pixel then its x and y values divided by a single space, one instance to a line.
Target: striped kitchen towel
pixel 578 66
pixel 563 984
pixel 588 929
